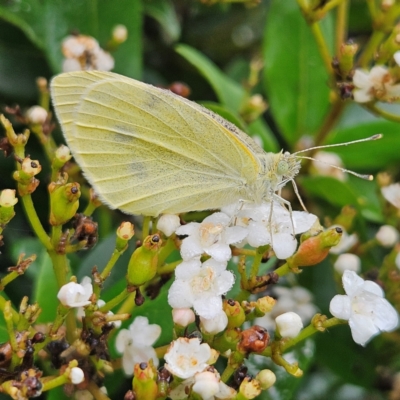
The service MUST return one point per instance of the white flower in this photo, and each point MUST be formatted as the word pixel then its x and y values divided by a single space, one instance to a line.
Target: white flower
pixel 346 242
pixel 76 376
pixel 296 299
pixel 212 236
pixel 392 194
pixel 84 53
pixel 289 324
pixel 324 164
pixel 387 236
pixel 185 357
pixel 212 326
pixel 120 33
pixel 364 306
pixel 76 295
pixel 183 316
pixel 347 261
pixel 200 286
pixel 376 84
pixel 168 224
pixel 36 115
pixel 207 384
pixel 260 223
pixel 7 198
pixel 136 343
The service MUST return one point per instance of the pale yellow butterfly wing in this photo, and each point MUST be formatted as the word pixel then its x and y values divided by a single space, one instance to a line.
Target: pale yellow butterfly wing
pixel 146 150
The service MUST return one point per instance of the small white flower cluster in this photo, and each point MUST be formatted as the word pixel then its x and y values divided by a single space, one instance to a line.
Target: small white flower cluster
pixel 189 359
pixel 296 300
pixel 136 343
pixel 365 307
pixel 83 52
pixel 201 285
pixel 376 84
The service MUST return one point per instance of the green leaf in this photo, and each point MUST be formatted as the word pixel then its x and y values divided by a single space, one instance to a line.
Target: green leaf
pixel 260 128
pixel 229 92
pixel 296 80
pixel 46 289
pixel 163 12
pixel 47 22
pixel 369 156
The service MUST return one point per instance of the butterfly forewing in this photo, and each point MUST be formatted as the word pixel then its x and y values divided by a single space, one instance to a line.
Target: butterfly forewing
pixel 146 150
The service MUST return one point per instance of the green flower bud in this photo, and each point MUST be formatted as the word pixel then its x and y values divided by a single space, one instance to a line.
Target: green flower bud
pixel 234 312
pixel 143 263
pixel 62 155
pixel 64 202
pixel 144 381
pixel 7 202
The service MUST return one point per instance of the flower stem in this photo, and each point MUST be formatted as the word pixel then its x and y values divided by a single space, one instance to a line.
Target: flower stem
pixel 322 46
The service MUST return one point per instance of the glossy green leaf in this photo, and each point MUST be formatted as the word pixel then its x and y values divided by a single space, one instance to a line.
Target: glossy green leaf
pixel 229 92
pixel 163 12
pixel 260 128
pixel 46 289
pixel 47 22
pixel 296 80
pixel 369 156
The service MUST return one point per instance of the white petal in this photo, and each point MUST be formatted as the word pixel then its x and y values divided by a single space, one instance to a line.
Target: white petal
pixel 220 252
pixel 180 295
pixel 351 282
pixel 362 329
pixel 187 269
pixel 303 221
pixel 258 235
pixel 218 218
pixel 122 340
pixel 374 288
pixel 340 307
pixel 392 194
pixel 188 229
pixel 362 96
pixel 225 282
pixel 361 79
pixel 385 316
pixel 208 306
pixel 235 234
pixel 284 245
pixel 191 247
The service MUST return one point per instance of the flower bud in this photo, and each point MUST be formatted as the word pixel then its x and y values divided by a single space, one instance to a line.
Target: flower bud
pixel 142 266
pixel 289 324
pixel 144 381
pixel 266 378
pixel 234 312
pixel 346 58
pixel 314 249
pixel 29 168
pixel 75 295
pixel 76 375
pixel 206 384
pixel 120 33
pixel 168 224
pixel 125 233
pixel 250 388
pixel 62 155
pixel 387 236
pixel 7 202
pixel 265 304
pixel 347 261
pixel 183 316
pixel 64 202
pixel 212 326
pixel 36 115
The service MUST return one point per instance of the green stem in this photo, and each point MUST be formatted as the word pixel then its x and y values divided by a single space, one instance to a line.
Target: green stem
pixel 35 222
pixel 110 265
pixel 115 301
pixel 168 268
pixel 341 24
pixel 371 47
pixel 322 46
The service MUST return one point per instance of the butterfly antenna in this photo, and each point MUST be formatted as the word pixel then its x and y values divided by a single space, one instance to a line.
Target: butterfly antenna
pixel 374 137
pixel 367 177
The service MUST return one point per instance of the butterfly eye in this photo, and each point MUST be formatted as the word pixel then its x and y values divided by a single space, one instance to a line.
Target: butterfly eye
pixel 282 167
